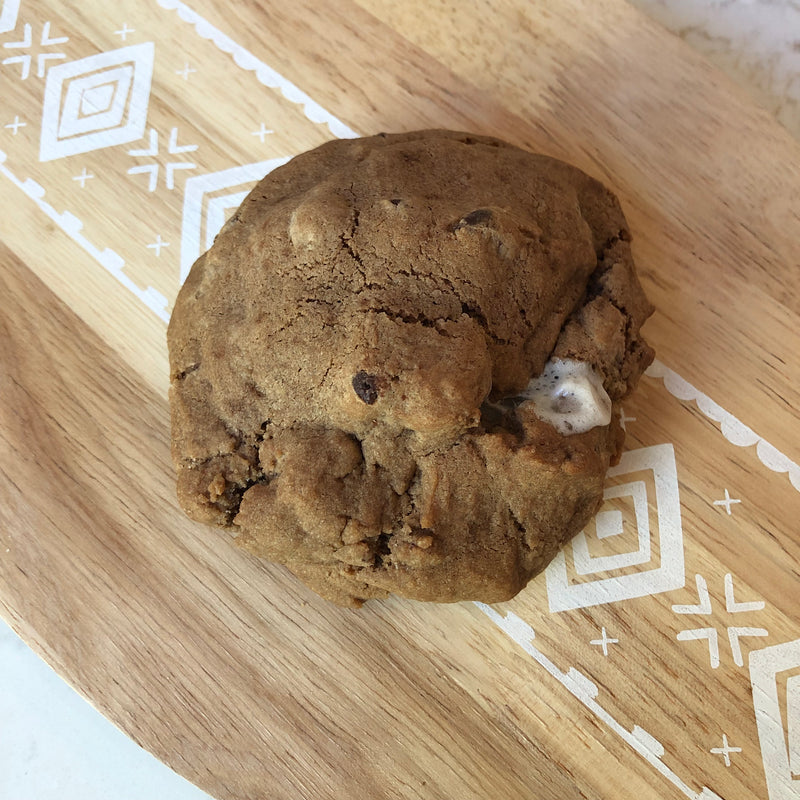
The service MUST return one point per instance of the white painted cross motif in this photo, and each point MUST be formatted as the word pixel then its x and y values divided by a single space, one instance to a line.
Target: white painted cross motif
pixel 262 132
pixel 703 607
pixel 42 58
pixel 586 691
pixel 726 750
pixel 624 418
pixel 604 641
pixel 157 245
pixel 173 148
pixel 123 33
pixel 16 125
pixel 727 502
pixel 83 177
pixel 185 72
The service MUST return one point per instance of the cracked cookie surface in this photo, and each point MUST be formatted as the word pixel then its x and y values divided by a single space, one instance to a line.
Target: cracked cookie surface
pixel 341 356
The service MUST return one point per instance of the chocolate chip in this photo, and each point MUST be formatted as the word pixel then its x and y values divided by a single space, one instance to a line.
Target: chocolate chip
pixel 395 201
pixel 366 387
pixel 480 216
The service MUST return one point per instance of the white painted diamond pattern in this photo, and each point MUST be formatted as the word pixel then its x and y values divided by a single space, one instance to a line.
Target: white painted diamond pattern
pixel 565 592
pixel 121 77
pixel 217 213
pixel 9 9
pixel 98 99
pixel 609 523
pixel 586 564
pixel 200 213
pixel 793 722
pixel 83 111
pixel 778 730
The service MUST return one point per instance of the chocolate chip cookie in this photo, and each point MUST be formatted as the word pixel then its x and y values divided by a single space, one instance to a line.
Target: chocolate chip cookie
pixel 399 366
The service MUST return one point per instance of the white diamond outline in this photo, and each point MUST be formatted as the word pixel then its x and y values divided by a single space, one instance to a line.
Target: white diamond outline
pixel 8 15
pixel 135 122
pixel 587 564
pixel 793 722
pixel 215 213
pixel 667 576
pixel 95 107
pixel 194 192
pixel 604 527
pixel 765 664
pixel 74 123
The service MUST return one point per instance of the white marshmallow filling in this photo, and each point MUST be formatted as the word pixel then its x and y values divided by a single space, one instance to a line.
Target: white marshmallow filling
pixel 569 395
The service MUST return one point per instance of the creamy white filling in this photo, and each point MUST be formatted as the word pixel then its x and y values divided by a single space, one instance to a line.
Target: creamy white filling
pixel 569 395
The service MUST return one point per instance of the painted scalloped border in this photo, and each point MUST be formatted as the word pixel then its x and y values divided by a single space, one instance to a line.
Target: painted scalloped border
pixel 265 74
pixel 732 429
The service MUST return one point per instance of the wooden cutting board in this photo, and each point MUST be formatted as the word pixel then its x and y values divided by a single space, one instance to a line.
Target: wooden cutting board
pixel 659 657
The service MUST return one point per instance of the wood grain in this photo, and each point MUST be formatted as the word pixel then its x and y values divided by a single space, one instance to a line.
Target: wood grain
pixel 155 626
pixel 231 671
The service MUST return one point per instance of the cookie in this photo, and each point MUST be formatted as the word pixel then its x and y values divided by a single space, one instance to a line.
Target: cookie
pixel 399 367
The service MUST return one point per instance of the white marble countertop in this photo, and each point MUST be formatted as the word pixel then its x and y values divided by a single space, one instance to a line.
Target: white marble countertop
pixel 757 42
pixel 55 746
